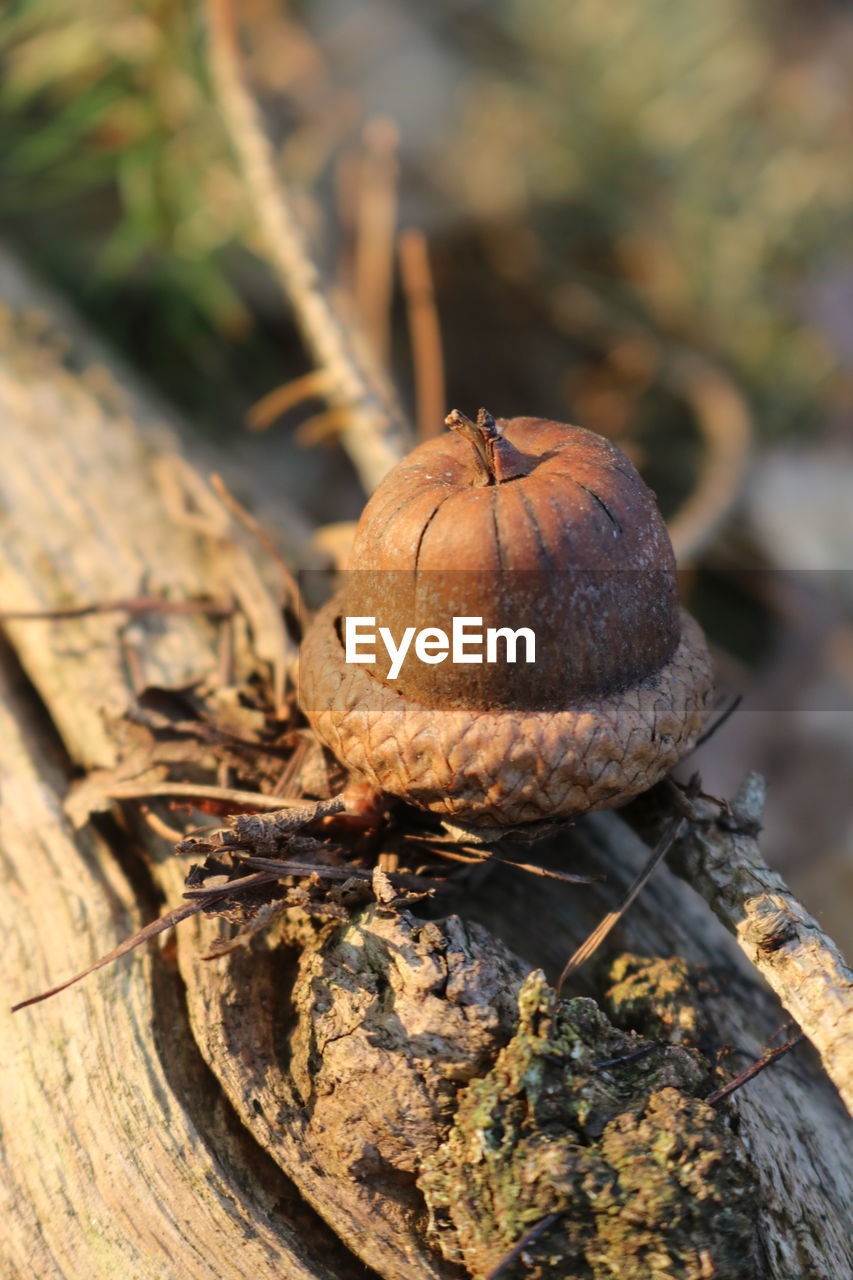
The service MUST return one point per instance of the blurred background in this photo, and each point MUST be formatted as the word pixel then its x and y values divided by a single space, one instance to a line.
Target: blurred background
pixel 634 217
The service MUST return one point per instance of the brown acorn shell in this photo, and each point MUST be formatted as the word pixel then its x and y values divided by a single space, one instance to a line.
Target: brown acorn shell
pixel 503 767
pixel 575 550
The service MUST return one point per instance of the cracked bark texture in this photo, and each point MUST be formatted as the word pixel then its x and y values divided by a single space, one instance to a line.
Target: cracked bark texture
pixel 159 1118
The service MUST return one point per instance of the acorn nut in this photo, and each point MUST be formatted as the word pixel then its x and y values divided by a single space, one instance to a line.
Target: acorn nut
pixel 529 528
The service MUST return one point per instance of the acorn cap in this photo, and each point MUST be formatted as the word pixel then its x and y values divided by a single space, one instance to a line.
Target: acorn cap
pixel 506 767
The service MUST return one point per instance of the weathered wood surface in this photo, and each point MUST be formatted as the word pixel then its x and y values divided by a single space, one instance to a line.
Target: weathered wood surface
pixel 784 942
pixel 119 1156
pixel 123 1153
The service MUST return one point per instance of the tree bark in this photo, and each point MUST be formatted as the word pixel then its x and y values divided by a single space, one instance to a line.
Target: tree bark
pixel 159 1118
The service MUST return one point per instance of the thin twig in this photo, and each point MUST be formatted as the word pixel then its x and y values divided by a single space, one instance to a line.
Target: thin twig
pixel 135 607
pixel 442 838
pixel 424 332
pixel 720 721
pixel 288 778
pixel 294 595
pixel 470 854
pixel 151 930
pixel 723 418
pixel 674 831
pixel 271 406
pixel 626 1057
pixel 721 412
pixel 377 435
pixel 325 872
pixel 374 243
pixel 225 677
pixel 453 855
pixel 750 1072
pixel 189 791
pixel 524 1243
pixel 549 873
pixel 321 428
pixel 158 825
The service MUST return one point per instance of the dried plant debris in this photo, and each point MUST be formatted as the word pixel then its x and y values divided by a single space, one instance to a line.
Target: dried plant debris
pixel 328 884
pixel 174 744
pixel 298 831
pixel 251 892
pixel 599 1145
pixel 186 735
pixel 327 853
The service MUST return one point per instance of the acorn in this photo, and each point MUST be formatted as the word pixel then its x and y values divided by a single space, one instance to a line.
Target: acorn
pixel 508 647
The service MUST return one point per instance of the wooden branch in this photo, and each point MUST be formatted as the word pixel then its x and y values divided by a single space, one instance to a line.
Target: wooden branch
pixel 119 1158
pixel 120 1155
pixel 83 507
pixel 786 944
pixel 291 1114
pixel 375 433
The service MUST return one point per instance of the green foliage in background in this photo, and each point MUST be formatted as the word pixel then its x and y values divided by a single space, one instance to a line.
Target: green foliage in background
pixel 708 154
pixel 115 174
pixel 686 164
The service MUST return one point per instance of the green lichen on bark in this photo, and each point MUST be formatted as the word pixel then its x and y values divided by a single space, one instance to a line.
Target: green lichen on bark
pixel 644 1175
pixel 658 997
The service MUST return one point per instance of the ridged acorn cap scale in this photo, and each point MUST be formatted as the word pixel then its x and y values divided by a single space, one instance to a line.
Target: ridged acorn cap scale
pixel 506 767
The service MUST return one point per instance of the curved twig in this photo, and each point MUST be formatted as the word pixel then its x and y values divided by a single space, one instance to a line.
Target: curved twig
pixel 721 412
pixel 724 421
